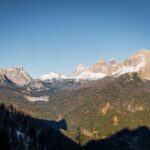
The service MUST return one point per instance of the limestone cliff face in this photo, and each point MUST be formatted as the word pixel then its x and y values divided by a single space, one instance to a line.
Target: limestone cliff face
pixel 100 66
pixel 2 78
pixel 18 76
pixel 80 68
pixel 140 62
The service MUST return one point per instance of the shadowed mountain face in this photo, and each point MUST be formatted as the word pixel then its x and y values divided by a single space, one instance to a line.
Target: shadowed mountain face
pixel 22 132
pixel 19 132
pixel 57 125
pixel 138 139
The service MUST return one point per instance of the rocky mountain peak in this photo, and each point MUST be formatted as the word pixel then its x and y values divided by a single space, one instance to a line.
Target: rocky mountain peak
pixel 2 72
pixel 18 75
pixel 139 62
pixel 141 57
pixel 80 67
pixel 101 62
pixel 112 61
pixel 142 54
pixel 144 51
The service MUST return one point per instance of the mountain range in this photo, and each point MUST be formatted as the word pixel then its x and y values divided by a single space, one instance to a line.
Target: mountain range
pixel 95 101
pixel 139 62
pixel 136 63
pixel 38 89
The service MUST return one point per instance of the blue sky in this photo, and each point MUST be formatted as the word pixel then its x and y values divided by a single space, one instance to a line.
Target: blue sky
pixel 57 35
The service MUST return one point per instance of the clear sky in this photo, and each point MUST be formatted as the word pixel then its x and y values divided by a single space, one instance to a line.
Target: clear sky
pixel 57 35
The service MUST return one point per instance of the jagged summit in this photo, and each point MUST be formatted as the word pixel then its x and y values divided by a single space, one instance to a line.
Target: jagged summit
pixel 101 61
pixel 142 50
pixel 112 61
pixel 2 71
pixel 18 75
pixel 138 62
pixel 80 67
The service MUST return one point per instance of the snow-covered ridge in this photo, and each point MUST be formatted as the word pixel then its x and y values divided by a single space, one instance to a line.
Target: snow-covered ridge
pixel 51 76
pixel 130 69
pixel 88 75
pixel 101 69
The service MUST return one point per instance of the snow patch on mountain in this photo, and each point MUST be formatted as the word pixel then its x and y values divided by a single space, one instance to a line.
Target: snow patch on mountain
pixel 34 99
pixel 85 75
pixel 130 69
pixel 51 76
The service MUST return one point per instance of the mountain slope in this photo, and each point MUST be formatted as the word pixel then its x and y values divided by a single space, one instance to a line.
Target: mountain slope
pixel 96 108
pixel 19 131
pixel 104 106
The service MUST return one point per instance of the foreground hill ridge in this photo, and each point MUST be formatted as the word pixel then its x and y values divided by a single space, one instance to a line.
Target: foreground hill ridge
pixel 19 131
pixel 138 62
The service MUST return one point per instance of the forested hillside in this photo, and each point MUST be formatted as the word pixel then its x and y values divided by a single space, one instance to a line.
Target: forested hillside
pixel 94 111
pixel 22 132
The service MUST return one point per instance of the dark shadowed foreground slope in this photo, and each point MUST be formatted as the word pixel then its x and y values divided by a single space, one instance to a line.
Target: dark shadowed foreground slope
pixel 21 132
pixel 138 139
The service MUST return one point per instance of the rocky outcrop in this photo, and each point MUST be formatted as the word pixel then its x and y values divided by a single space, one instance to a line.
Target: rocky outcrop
pixel 115 121
pixel 18 76
pixel 105 108
pixel 138 62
